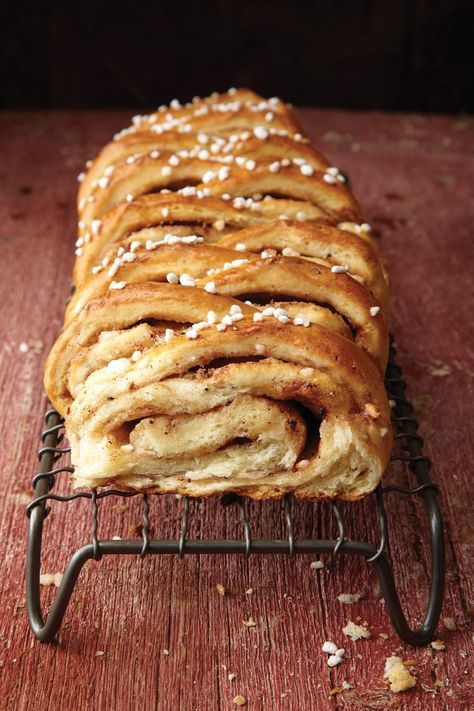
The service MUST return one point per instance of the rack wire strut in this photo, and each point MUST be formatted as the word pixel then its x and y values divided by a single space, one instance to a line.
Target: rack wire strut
pixel 411 453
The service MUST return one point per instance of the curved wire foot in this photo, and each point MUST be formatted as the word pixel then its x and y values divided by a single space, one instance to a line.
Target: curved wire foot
pixel 45 629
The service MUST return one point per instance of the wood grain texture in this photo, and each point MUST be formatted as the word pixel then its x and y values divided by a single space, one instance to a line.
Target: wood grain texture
pixel 413 175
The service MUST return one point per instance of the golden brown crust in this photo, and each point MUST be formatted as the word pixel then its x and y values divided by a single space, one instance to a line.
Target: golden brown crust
pixel 228 330
pixel 151 264
pixel 134 145
pixel 297 279
pixel 148 174
pixel 116 310
pixel 173 209
pixel 322 243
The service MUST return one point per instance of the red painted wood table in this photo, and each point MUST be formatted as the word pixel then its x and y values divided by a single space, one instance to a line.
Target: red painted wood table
pixel 156 634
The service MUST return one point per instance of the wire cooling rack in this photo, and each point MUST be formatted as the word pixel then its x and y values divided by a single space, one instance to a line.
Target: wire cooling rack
pixel 408 449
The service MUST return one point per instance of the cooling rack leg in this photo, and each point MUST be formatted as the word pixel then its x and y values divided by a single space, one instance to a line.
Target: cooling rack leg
pixel 45 630
pixel 426 632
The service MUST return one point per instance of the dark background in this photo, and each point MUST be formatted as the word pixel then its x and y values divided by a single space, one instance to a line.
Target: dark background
pixel 379 54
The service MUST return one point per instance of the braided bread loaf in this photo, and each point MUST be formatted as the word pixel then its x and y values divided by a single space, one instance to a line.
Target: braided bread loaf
pixel 228 330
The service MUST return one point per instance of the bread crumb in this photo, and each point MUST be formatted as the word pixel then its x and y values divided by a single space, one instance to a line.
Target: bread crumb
pixel 441 371
pixel 220 589
pixel 350 598
pixel 166 652
pixel 36 346
pixel 356 632
pixel 316 565
pixel 119 509
pixel 250 622
pixel 134 529
pixel 249 591
pixel 51 579
pixel 383 635
pixel 99 653
pixel 449 623
pixel 372 410
pixel 438 645
pixel 398 675
pixel 239 700
pixel 232 676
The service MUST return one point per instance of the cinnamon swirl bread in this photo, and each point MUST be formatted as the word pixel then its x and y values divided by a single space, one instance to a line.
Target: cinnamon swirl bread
pixel 228 330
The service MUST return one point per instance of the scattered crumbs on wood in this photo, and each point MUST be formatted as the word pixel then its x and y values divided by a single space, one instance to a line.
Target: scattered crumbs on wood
pixel 316 565
pixel 220 589
pixel 239 700
pixel 134 529
pixel 438 645
pixel 397 675
pixel 439 369
pixel 119 509
pixel 345 686
pixel 250 622
pixel 356 632
pixel 99 653
pixel 350 598
pixel 51 579
pixel 450 624
pixel 37 346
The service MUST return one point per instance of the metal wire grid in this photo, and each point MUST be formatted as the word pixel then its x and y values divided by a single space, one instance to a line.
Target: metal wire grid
pixel 411 452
